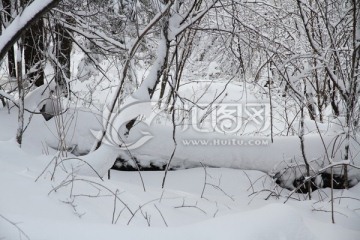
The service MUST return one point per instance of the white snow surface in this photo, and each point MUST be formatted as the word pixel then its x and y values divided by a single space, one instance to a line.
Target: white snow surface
pixel 46 194
pixel 194 147
pixel 183 210
pixel 51 195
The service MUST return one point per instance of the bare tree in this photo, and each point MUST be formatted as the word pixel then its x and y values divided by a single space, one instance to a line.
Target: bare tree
pixel 341 63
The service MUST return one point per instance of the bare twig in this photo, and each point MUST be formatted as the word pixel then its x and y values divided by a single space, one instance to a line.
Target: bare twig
pixel 22 233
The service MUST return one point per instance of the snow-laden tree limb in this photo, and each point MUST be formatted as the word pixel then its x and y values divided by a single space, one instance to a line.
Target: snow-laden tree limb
pixel 29 15
pixel 109 112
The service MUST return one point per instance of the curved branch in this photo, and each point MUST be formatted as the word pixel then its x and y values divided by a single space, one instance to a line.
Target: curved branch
pixel 23 21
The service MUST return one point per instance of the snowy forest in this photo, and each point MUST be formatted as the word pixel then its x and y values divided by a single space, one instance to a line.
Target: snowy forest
pixel 180 119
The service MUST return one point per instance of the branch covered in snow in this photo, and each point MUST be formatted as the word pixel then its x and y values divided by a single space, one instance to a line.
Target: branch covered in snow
pixel 30 14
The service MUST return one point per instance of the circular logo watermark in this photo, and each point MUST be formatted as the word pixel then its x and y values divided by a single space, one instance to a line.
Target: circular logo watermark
pixel 131 126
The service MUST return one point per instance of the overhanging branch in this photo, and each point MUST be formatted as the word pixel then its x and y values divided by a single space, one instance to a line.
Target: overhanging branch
pixel 23 21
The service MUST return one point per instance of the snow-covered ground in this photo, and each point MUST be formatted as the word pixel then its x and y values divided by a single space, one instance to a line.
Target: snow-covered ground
pixel 221 190
pixel 237 153
pixel 43 196
pixel 199 203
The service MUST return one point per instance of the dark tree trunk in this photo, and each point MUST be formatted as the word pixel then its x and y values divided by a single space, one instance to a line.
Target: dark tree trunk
pixel 33 51
pixel 63 55
pixel 11 62
pixel 333 100
pixel 27 20
pixel 11 53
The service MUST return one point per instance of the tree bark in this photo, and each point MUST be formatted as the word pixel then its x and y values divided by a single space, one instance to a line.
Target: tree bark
pixel 20 83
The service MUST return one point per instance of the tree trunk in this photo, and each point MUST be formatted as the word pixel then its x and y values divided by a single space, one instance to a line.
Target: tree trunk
pixel 63 56
pixel 33 52
pixel 20 83
pixel 6 18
